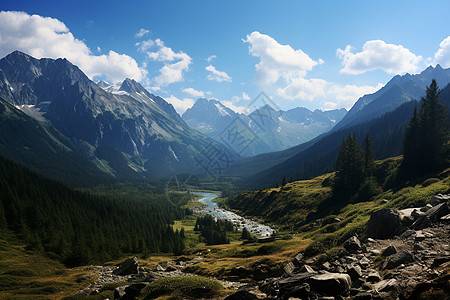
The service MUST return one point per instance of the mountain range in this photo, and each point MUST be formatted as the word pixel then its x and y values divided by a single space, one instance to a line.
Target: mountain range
pixel 127 130
pixel 271 130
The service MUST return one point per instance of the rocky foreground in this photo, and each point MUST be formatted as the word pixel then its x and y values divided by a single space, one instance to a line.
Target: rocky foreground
pixel 406 256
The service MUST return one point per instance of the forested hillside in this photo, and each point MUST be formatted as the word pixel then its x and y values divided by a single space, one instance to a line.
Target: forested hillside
pixel 78 228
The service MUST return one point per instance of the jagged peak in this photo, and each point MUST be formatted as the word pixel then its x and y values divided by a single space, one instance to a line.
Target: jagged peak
pixel 131 86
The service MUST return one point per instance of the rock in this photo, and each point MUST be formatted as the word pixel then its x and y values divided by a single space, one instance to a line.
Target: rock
pixel 298 259
pixel 171 269
pixel 407 233
pixel 307 269
pixel 387 285
pixel 289 268
pixel 159 268
pixel 242 295
pixel 119 292
pixel 352 245
pixel 373 277
pixel 395 260
pixel 426 207
pixel 362 296
pixel 389 251
pixel 445 218
pixel 438 199
pixel 354 272
pixel 419 236
pixel 418 247
pixel 371 240
pixel 129 266
pixel 364 262
pixel 383 223
pixel 439 261
pixel 331 284
pixel 301 291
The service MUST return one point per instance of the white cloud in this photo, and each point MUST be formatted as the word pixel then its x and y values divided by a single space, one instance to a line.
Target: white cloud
pixel 175 63
pixel 211 58
pixel 194 92
pixel 180 105
pixel 442 56
pixel 347 95
pixel 48 37
pixel 217 75
pixel 301 88
pixel 235 108
pixel 277 60
pixel 376 54
pixel 141 32
pixel 245 96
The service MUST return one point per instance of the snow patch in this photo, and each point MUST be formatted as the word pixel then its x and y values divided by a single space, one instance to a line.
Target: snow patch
pixel 173 153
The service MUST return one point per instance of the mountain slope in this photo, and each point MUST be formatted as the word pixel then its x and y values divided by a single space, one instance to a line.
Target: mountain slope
pixel 398 90
pixel 44 149
pixel 270 130
pixel 145 128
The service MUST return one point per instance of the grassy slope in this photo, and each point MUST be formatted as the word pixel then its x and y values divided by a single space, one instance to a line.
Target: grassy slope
pixel 30 275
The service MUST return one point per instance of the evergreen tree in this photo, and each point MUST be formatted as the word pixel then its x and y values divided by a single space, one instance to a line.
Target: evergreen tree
pixel 369 157
pixel 349 168
pixel 245 234
pixel 283 183
pixel 426 135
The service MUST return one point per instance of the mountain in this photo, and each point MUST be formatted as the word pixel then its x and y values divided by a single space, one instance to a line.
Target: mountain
pixel 269 130
pixel 128 129
pixel 42 148
pixel 398 90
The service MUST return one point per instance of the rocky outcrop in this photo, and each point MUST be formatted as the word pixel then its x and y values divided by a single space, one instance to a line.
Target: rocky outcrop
pixel 384 223
pixel 129 266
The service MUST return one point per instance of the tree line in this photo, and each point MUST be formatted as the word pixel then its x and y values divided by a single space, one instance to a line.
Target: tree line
pixel 212 231
pixel 78 228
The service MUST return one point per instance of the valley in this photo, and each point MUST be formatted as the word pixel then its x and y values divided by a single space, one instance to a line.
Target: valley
pixel 181 150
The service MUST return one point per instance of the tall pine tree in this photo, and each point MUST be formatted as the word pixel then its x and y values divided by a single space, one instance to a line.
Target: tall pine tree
pixel 369 157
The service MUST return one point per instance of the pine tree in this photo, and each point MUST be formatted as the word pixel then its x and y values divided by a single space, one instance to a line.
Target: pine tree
pixel 349 168
pixel 245 234
pixel 369 157
pixel 426 135
pixel 283 183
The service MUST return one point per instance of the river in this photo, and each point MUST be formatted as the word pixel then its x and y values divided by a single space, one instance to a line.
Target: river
pixel 213 209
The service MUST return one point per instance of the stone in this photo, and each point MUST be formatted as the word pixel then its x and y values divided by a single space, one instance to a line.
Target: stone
pixel 171 269
pixel 326 265
pixel 397 259
pixel 301 291
pixel 384 223
pixel 418 247
pixel 354 272
pixel 364 262
pixel 362 296
pixel 407 233
pixel 446 218
pixel 371 240
pixel 129 266
pixel 307 269
pixel 352 245
pixel 298 259
pixel 289 268
pixel 439 261
pixel 426 207
pixel 419 236
pixel 386 285
pixel 119 292
pixel 389 250
pixel 331 284
pixel 373 277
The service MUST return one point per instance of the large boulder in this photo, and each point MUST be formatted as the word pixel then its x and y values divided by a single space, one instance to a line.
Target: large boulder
pixel 129 266
pixel 352 245
pixel 395 260
pixel 384 223
pixel 331 284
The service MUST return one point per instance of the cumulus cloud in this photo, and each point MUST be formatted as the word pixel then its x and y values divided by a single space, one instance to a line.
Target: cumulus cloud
pixel 217 75
pixel 141 32
pixel 48 37
pixel 301 88
pixel 377 54
pixel 277 60
pixel 194 92
pixel 346 96
pixel 244 96
pixel 175 63
pixel 180 105
pixel 235 108
pixel 442 56
pixel 211 58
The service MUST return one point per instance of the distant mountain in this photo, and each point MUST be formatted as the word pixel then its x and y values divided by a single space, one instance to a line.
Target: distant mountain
pixel 128 129
pixel 270 130
pixel 44 149
pixel 398 90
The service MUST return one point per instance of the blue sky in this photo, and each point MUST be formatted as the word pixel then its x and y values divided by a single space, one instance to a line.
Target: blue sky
pixel 316 54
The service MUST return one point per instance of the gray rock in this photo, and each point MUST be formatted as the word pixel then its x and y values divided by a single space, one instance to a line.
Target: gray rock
pixel 373 277
pixel 383 223
pixel 354 272
pixel 387 285
pixel 446 218
pixel 298 259
pixel 307 269
pixel 129 266
pixel 352 245
pixel 119 292
pixel 289 268
pixel 389 251
pixel 364 262
pixel 397 259
pixel 407 233
pixel 331 284
pixel 362 296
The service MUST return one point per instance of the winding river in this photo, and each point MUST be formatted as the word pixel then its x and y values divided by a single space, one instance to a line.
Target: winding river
pixel 213 209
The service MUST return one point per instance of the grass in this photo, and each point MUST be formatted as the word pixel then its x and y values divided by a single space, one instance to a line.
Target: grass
pixel 30 275
pixel 184 286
